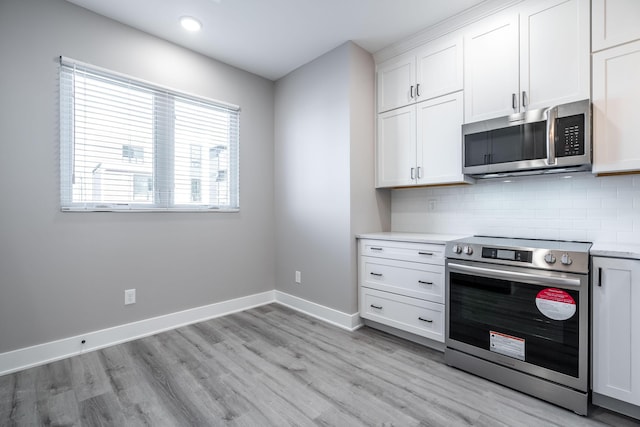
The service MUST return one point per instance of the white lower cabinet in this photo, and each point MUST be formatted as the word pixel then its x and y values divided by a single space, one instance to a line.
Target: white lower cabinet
pixel 616 334
pixel 408 314
pixel 401 285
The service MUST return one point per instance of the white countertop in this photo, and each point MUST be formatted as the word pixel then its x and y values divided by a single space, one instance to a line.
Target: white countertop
pixel 605 249
pixel 616 250
pixel 412 237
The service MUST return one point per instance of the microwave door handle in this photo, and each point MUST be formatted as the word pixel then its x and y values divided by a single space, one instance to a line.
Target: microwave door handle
pixel 514 275
pixel 552 116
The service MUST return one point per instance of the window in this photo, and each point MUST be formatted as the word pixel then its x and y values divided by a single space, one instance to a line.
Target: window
pixel 132 153
pixel 195 190
pixel 127 145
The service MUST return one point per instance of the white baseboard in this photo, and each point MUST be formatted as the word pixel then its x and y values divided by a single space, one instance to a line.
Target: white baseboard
pixel 41 354
pixel 350 322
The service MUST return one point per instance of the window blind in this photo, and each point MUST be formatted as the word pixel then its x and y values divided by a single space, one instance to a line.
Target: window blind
pixel 128 145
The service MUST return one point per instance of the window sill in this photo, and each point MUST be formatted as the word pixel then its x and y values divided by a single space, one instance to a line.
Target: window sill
pixel 154 210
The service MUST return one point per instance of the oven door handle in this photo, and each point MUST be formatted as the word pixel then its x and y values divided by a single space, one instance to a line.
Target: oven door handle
pixel 514 275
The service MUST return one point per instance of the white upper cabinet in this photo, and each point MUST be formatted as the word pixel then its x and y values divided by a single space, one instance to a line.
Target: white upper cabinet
pixel 421 144
pixel 554 53
pixel 439 140
pixel 614 22
pixel 491 68
pixel 420 106
pixel 616 86
pixel 396 82
pixel 426 72
pixel 396 148
pixel 616 102
pixel 533 57
pixel 439 68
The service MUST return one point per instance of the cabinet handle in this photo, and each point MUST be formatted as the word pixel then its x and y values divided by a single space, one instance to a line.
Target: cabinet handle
pixel 422 282
pixel 413 173
pixel 375 249
pixel 411 92
pixel 377 307
pixel 514 101
pixel 524 98
pixel 425 320
pixel 599 276
pixel 425 253
pixel 419 172
pixel 418 90
pixel 376 274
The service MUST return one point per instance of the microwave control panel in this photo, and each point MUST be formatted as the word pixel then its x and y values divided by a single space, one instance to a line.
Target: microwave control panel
pixel 570 136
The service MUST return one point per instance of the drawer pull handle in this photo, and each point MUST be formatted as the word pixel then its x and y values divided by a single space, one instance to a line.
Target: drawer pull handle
pixel 375 249
pixel 422 282
pixel 600 276
pixel 377 307
pixel 425 320
pixel 425 253
pixel 376 274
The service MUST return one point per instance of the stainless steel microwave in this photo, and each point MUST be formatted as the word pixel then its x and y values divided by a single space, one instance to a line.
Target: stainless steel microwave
pixel 548 140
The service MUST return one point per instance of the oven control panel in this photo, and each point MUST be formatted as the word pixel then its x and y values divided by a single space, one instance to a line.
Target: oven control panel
pixel 553 255
pixel 507 254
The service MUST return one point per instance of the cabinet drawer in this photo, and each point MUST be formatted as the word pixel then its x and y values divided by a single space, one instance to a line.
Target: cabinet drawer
pixel 419 317
pixel 403 251
pixel 424 281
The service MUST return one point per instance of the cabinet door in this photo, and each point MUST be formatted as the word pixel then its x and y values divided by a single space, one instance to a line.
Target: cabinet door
pixel 616 328
pixel 491 68
pixel 616 102
pixel 554 53
pixel 614 22
pixel 396 147
pixel 439 140
pixel 439 68
pixel 396 82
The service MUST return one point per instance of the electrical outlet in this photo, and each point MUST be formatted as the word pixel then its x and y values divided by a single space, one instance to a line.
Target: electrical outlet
pixel 129 296
pixel 431 204
pixel 298 277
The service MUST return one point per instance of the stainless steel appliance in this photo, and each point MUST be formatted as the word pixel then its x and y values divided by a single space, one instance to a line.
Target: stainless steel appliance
pixel 548 140
pixel 517 314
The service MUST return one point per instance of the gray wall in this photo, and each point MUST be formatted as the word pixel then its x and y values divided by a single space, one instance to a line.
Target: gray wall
pixel 63 274
pixel 370 208
pixel 324 175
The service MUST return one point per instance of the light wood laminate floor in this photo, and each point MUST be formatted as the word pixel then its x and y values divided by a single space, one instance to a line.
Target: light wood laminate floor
pixel 270 366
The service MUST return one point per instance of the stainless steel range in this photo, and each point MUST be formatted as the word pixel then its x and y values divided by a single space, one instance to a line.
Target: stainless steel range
pixel 518 314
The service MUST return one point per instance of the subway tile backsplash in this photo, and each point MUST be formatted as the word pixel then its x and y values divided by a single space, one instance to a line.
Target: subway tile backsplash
pixel 566 207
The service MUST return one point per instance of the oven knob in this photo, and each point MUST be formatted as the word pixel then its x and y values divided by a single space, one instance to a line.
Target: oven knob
pixel 456 249
pixel 549 258
pixel 565 259
pixel 467 250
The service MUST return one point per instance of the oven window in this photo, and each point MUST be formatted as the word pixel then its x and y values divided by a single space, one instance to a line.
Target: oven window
pixel 480 304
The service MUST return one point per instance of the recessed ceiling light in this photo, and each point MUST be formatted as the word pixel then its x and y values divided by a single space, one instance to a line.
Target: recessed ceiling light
pixel 190 24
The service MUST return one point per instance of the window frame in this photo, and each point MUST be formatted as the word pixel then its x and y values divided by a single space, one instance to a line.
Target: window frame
pixel 164 146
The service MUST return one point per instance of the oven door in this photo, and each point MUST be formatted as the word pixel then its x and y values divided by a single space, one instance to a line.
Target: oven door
pixel 531 320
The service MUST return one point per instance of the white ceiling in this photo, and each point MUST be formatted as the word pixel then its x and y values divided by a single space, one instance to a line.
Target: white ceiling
pixel 273 37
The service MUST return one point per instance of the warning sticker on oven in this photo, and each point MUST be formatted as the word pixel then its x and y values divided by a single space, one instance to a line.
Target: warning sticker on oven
pixel 506 344
pixel 556 304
